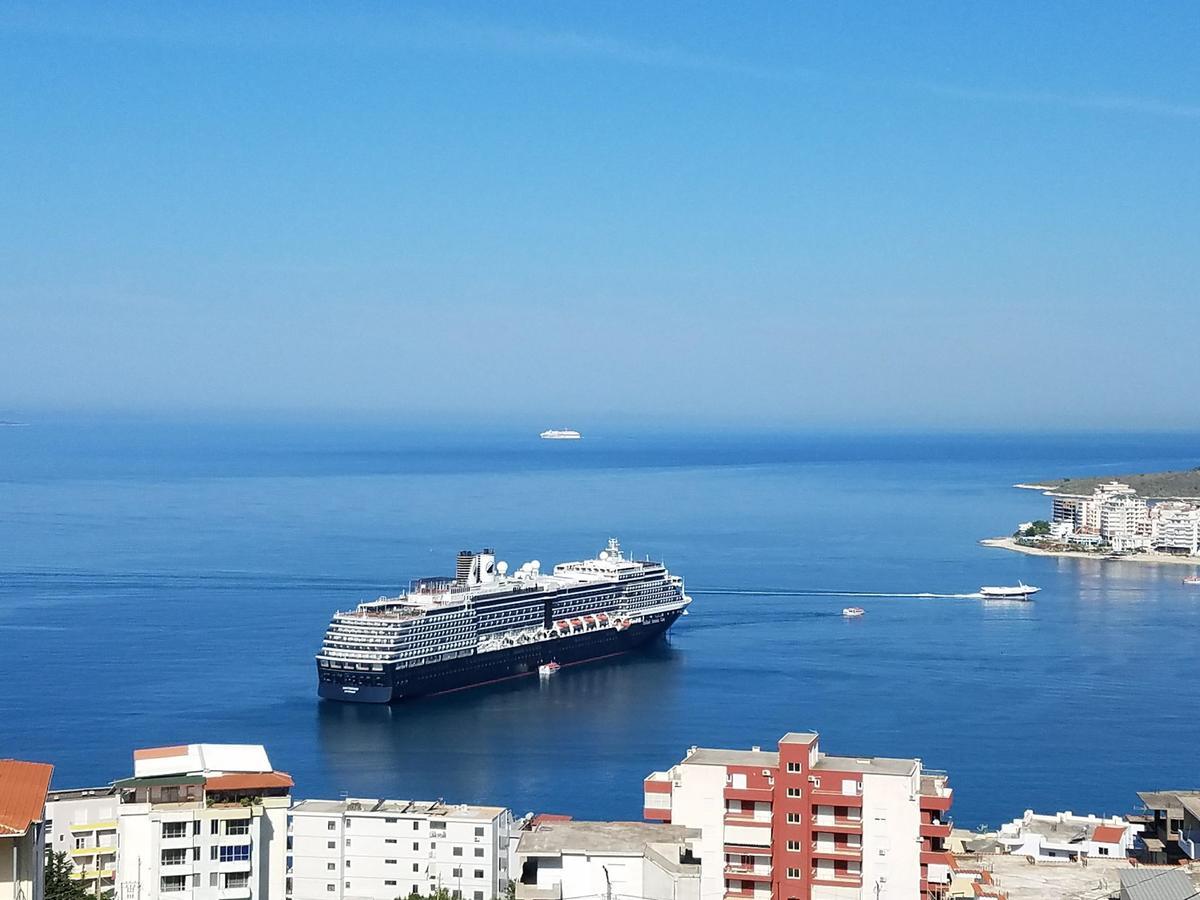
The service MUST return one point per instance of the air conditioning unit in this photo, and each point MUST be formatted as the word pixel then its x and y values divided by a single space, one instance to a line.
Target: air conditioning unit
pixel 766 773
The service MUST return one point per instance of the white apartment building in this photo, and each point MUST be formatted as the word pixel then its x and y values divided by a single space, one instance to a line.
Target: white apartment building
pixel 1066 836
pixel 358 849
pixel 1175 527
pixel 569 860
pixel 203 822
pixel 1125 522
pixel 83 824
pixel 23 788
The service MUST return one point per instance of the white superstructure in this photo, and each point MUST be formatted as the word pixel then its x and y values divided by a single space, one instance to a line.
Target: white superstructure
pixel 357 849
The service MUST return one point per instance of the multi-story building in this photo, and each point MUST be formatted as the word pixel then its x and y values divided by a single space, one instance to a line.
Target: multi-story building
pixel 205 821
pixel 1175 527
pixel 559 860
pixel 1125 522
pixel 382 849
pixel 798 824
pixel 23 787
pixel 83 824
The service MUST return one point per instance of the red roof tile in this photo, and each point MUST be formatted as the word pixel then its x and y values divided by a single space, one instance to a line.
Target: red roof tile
pixel 23 787
pixel 248 781
pixel 1109 834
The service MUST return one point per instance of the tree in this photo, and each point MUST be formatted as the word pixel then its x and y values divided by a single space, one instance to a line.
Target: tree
pixel 58 881
pixel 1037 528
pixel 439 894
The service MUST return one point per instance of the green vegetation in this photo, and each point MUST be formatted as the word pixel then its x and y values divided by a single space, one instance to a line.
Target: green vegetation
pixel 1037 528
pixel 60 886
pixel 1154 486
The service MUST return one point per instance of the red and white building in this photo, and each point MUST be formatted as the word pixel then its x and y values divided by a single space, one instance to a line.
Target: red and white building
pixel 798 824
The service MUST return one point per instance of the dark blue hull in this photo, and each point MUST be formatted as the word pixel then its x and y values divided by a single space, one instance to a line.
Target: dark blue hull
pixel 402 683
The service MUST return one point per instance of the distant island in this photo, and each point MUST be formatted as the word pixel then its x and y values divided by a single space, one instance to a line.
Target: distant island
pixel 1150 517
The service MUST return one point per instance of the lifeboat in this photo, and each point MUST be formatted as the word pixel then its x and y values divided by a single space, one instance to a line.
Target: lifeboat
pixel 548 669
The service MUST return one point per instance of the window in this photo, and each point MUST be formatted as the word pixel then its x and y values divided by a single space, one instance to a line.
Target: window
pixel 196 826
pixel 81 842
pixel 212 852
pixel 457 851
pixel 169 795
pixel 236 853
pixel 479 895
pixel 416 867
pixel 330 866
pixel 793 845
pixel 456 873
pixel 347 864
pixel 416 846
pixel 212 879
pixel 174 857
pixel 415 889
pixel 331 845
pixel 416 825
pixel 390 862
pixel 389 883
pixel 347 842
pixel 216 823
pixel 170 883
pixel 237 826
pixel 331 888
pixel 237 880
pixel 175 830
pixel 479 873
pixel 794 767
pixel 793 792
pixel 391 821
pixel 389 840
pixel 793 817
pixel 1103 851
pixel 332 826
pixel 793 874
pixel 349 822
pixel 479 832
pixel 479 851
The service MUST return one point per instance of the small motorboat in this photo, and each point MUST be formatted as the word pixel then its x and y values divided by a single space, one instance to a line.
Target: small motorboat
pixel 853 612
pixel 548 669
pixel 1192 579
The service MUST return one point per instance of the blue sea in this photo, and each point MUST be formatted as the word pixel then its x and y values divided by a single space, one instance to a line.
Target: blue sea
pixel 164 583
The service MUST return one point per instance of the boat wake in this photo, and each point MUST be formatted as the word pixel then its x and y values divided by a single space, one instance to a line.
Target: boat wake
pixel 774 592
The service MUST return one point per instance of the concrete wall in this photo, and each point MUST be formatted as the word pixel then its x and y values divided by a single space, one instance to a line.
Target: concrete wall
pixel 21 861
pixel 699 802
pixel 891 867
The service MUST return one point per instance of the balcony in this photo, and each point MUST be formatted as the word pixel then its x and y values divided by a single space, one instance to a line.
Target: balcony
pixel 533 892
pixel 837 824
pixel 935 829
pixel 740 872
pixel 835 877
pixel 827 850
pixel 747 849
pixel 751 819
pixel 836 798
pixel 758 795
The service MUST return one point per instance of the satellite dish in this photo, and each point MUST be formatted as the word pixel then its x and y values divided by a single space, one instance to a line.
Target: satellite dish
pixel 502 567
pixel 535 565
pixel 604 554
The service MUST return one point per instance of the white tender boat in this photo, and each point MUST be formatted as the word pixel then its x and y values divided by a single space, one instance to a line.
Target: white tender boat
pixel 548 669
pixel 560 434
pixel 1022 591
pixel 1192 579
pixel 853 612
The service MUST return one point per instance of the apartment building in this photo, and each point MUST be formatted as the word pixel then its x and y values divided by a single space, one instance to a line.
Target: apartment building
pixel 83 824
pixel 798 824
pixel 358 849
pixel 23 787
pixel 202 821
pixel 1176 527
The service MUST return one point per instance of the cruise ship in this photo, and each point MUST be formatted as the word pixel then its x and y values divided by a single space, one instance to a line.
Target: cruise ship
pixel 487 624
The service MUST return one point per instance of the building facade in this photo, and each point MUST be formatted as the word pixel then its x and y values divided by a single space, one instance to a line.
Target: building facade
pixel 23 787
pixel 83 824
pixel 1066 836
pixel 382 849
pixel 1114 515
pixel 797 824
pixel 202 821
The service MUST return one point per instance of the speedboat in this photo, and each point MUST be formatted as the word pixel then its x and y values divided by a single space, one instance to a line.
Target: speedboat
pixel 1022 591
pixel 548 669
pixel 1192 579
pixel 853 612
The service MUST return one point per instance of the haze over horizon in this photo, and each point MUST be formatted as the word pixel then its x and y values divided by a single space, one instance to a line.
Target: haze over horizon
pixel 935 215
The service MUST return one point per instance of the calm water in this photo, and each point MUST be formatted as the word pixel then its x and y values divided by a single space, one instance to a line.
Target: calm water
pixel 164 584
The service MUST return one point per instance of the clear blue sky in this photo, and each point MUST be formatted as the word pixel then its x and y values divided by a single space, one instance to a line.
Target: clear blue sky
pixel 942 214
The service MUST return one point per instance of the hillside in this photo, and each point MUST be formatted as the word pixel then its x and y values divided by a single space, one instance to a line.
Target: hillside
pixel 1153 485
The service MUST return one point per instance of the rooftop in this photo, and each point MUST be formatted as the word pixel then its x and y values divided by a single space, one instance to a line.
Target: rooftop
pixel 23 787
pixel 876 765
pixel 703 756
pixel 1156 884
pixel 397 807
pixel 192 759
pixel 557 838
pixel 81 793
pixel 1165 800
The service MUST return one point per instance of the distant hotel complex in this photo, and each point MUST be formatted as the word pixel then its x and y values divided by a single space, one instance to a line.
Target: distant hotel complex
pixel 1113 516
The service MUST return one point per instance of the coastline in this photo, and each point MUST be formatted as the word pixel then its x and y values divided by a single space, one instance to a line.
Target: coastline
pixel 1149 556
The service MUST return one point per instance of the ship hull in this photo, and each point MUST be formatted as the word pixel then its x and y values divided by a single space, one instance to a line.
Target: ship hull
pixel 397 683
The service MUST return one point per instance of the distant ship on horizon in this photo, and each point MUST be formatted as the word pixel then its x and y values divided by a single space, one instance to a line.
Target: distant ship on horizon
pixel 560 434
